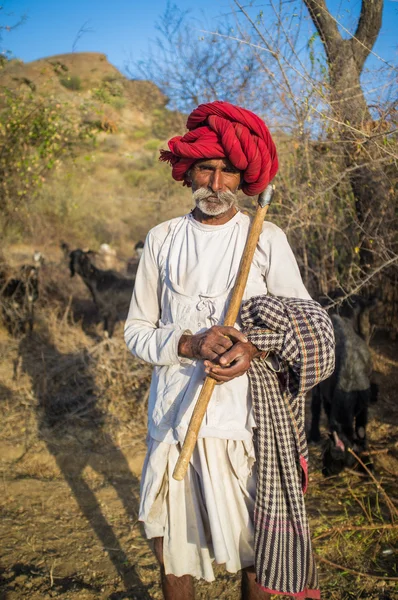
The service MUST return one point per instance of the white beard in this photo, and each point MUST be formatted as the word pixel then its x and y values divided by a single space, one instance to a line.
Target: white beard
pixel 213 203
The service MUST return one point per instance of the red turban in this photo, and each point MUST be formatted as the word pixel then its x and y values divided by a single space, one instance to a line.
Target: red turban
pixel 222 130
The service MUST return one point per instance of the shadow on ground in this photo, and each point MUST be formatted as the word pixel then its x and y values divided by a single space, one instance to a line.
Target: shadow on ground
pixel 67 408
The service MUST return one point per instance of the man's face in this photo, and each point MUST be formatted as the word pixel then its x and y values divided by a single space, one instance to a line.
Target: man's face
pixel 215 182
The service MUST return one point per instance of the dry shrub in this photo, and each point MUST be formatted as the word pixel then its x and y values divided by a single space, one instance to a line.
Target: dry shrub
pixel 67 378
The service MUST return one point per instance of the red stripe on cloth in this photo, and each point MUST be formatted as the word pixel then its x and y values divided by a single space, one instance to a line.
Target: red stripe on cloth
pixel 304 466
pixel 316 594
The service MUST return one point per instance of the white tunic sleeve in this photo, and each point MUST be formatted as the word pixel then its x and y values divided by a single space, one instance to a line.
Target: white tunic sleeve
pixel 282 274
pixel 143 334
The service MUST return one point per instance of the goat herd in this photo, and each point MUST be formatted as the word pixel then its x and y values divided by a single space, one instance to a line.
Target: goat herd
pixel 345 396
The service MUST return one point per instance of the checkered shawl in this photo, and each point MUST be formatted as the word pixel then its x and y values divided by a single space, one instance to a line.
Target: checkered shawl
pixel 300 334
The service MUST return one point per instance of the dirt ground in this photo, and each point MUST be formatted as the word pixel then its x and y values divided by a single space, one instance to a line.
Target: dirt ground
pixel 70 477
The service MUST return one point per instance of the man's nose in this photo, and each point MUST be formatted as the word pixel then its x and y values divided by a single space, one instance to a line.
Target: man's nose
pixel 217 181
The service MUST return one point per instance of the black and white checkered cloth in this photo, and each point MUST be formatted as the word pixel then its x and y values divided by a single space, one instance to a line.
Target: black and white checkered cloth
pixel 300 334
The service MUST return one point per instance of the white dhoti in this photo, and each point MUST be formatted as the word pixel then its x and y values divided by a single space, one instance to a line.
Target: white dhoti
pixel 209 515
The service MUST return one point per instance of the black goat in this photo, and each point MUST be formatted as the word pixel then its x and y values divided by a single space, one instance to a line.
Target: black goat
pixel 133 262
pixel 346 394
pixel 18 296
pixel 139 247
pixel 355 308
pixel 65 250
pixel 111 291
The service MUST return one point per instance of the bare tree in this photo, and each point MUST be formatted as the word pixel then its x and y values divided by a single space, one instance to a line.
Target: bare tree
pixel 191 68
pixel 358 130
pixel 339 158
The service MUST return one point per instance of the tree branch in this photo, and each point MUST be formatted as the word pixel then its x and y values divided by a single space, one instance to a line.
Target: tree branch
pixel 367 31
pixel 358 573
pixel 325 25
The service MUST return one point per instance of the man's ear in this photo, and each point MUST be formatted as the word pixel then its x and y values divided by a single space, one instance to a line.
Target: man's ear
pixel 188 176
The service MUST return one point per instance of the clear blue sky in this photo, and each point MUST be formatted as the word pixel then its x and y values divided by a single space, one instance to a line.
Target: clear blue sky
pixel 122 29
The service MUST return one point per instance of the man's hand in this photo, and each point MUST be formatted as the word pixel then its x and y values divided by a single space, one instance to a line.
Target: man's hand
pixel 211 344
pixel 226 352
pixel 233 363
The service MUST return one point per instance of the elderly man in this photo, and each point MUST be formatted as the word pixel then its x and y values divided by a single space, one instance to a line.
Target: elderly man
pixel 241 501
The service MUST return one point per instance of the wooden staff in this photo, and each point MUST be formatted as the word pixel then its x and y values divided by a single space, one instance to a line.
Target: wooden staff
pixel 264 200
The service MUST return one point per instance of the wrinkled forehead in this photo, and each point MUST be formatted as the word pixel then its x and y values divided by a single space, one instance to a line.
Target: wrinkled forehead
pixel 216 162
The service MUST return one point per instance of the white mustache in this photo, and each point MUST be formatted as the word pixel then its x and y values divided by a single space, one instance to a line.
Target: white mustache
pixel 206 193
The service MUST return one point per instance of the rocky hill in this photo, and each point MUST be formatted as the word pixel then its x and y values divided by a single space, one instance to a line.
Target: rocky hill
pixel 115 189
pixel 85 72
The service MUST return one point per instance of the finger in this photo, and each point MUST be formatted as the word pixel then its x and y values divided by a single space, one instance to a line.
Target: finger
pixel 223 341
pixel 232 355
pixel 233 334
pixel 210 355
pixel 236 370
pixel 219 345
pixel 208 364
pixel 220 378
pixel 219 349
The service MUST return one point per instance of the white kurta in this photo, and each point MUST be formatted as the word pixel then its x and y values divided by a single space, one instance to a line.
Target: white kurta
pixel 184 279
pixel 209 515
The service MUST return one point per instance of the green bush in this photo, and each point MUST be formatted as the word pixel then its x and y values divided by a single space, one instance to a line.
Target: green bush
pixel 139 134
pixel 118 103
pixel 110 92
pixel 113 85
pixel 73 82
pixel 152 144
pixel 104 96
pixel 33 140
pixel 59 67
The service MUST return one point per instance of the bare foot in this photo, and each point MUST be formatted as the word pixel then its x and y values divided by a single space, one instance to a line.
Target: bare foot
pixel 173 588
pixel 249 588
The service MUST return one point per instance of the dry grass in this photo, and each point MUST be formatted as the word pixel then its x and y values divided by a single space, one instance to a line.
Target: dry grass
pixel 66 375
pixel 354 535
pixel 354 515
